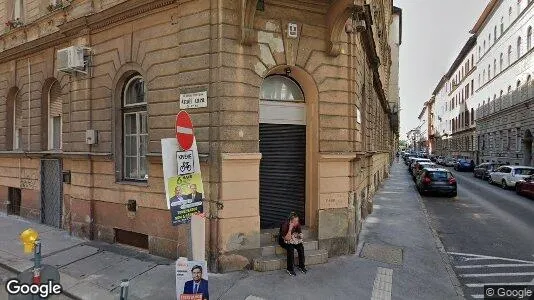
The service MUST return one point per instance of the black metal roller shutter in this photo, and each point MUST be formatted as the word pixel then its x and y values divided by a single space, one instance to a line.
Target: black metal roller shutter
pixel 282 172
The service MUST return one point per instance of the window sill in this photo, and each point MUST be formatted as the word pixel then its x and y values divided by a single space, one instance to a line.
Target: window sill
pixel 134 183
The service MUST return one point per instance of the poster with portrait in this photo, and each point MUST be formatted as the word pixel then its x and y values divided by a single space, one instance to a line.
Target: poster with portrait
pixel 187 197
pixel 191 280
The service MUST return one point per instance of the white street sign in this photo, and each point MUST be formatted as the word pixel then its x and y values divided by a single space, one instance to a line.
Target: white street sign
pixel 186 162
pixel 194 100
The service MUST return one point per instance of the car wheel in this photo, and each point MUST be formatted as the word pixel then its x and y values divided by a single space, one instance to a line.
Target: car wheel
pixel 503 184
pixel 517 189
pixel 490 181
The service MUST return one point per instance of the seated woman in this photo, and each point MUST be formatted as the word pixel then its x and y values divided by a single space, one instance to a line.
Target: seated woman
pixel 290 238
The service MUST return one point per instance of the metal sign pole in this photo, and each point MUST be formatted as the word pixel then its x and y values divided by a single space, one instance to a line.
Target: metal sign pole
pixel 124 289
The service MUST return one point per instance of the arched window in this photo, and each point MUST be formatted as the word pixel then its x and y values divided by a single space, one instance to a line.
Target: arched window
pixel 484 47
pixel 518 7
pixel 472 60
pixel 489 72
pixel 518 83
pixel 502 25
pixel 509 89
pixel 479 52
pixel 518 47
pixel 529 38
pixel 280 88
pixel 18 10
pixel 55 109
pixel 510 15
pixel 489 40
pixel 495 66
pixel 472 116
pixel 494 33
pixel 528 78
pixel 484 76
pixel 501 58
pixel 509 54
pixel 500 95
pixel 135 129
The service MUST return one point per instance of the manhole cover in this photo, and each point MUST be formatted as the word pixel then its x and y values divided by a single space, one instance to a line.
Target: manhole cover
pixel 382 253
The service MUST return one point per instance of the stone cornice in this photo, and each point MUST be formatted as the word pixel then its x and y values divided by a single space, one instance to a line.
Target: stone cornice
pixel 84 25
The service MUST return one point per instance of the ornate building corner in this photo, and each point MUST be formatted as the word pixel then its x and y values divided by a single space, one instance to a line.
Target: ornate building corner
pixel 336 18
pixel 248 11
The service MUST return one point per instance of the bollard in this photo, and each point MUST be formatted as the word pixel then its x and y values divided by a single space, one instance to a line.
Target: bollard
pixel 124 289
pixel 37 262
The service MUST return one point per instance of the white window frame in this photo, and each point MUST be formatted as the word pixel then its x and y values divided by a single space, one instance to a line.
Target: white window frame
pixel 137 109
pixel 18 7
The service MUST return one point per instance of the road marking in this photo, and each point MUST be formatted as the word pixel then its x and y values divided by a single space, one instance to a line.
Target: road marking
pixel 492 283
pixel 496 274
pixel 383 284
pixel 494 266
pixel 484 257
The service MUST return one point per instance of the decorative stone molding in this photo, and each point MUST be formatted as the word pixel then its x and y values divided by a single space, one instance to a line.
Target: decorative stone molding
pixel 336 18
pixel 247 11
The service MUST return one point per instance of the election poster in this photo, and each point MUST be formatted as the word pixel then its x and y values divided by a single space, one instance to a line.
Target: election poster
pixel 191 279
pixel 187 199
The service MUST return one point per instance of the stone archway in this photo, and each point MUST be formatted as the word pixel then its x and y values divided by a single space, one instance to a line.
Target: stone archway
pixel 527 148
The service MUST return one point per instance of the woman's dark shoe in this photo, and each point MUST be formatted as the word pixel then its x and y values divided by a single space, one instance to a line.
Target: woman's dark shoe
pixel 303 269
pixel 291 273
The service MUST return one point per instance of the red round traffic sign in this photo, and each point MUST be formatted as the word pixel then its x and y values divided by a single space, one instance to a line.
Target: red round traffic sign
pixel 184 130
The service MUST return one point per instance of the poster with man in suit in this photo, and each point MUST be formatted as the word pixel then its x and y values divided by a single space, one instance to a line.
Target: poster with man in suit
pixel 191 280
pixel 188 197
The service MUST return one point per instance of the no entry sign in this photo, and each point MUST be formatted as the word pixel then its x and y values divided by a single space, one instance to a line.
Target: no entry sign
pixel 184 130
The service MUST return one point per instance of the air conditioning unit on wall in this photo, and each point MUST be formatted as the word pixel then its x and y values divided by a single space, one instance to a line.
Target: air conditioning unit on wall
pixel 72 60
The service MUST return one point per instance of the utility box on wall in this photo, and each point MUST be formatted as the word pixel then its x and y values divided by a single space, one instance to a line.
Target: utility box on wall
pixel 91 136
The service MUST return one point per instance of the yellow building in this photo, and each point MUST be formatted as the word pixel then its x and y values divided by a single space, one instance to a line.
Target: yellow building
pixel 297 117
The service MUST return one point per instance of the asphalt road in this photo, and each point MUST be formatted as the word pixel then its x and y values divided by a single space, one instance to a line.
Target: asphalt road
pixel 488 233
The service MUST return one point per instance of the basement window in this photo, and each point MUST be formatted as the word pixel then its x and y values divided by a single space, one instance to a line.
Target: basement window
pixel 131 238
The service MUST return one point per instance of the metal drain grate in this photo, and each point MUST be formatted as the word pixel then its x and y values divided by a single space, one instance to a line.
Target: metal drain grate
pixel 382 253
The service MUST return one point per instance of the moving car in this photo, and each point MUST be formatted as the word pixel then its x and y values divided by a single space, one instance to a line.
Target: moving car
pixel 508 176
pixel 464 165
pixel 449 162
pixel 483 170
pixel 525 187
pixel 437 180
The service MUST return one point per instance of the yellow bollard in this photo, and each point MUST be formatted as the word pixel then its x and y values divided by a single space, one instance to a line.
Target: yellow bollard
pixel 28 238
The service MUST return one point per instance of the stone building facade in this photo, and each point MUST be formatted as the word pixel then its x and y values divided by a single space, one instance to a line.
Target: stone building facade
pixel 81 151
pixel 505 126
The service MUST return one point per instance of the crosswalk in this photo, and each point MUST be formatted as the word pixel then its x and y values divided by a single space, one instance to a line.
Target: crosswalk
pixel 475 271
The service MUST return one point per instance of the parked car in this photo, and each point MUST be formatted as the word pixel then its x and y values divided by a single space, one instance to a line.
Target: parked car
pixel 417 168
pixel 464 165
pixel 414 160
pixel 525 187
pixel 483 170
pixel 508 176
pixel 449 162
pixel 437 180
pixel 440 160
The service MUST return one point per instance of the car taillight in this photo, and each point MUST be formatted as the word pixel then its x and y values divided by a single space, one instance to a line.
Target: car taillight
pixel 426 180
pixel 452 181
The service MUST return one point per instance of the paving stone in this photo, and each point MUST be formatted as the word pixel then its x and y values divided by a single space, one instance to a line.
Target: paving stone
pixel 382 253
pixel 110 278
pixel 92 264
pixel 69 256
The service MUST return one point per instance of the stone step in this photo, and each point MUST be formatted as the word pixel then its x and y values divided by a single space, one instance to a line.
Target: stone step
pixel 278 262
pixel 270 236
pixel 277 250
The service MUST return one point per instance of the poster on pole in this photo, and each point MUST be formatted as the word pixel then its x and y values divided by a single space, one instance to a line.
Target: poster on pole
pixel 191 280
pixel 187 199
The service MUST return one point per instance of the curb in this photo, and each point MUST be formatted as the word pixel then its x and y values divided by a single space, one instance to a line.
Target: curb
pixel 439 245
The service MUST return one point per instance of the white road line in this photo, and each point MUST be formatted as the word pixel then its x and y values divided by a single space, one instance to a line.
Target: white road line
pixel 497 274
pixel 493 283
pixel 383 284
pixel 484 257
pixel 184 130
pixel 494 266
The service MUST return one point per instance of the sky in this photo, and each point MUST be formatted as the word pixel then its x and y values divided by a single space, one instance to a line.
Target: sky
pixel 433 33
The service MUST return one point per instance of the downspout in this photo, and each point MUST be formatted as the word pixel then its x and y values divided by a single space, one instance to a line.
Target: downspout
pixel 29 105
pixel 90 156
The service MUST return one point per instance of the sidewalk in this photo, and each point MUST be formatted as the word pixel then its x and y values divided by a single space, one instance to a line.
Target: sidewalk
pixel 397 254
